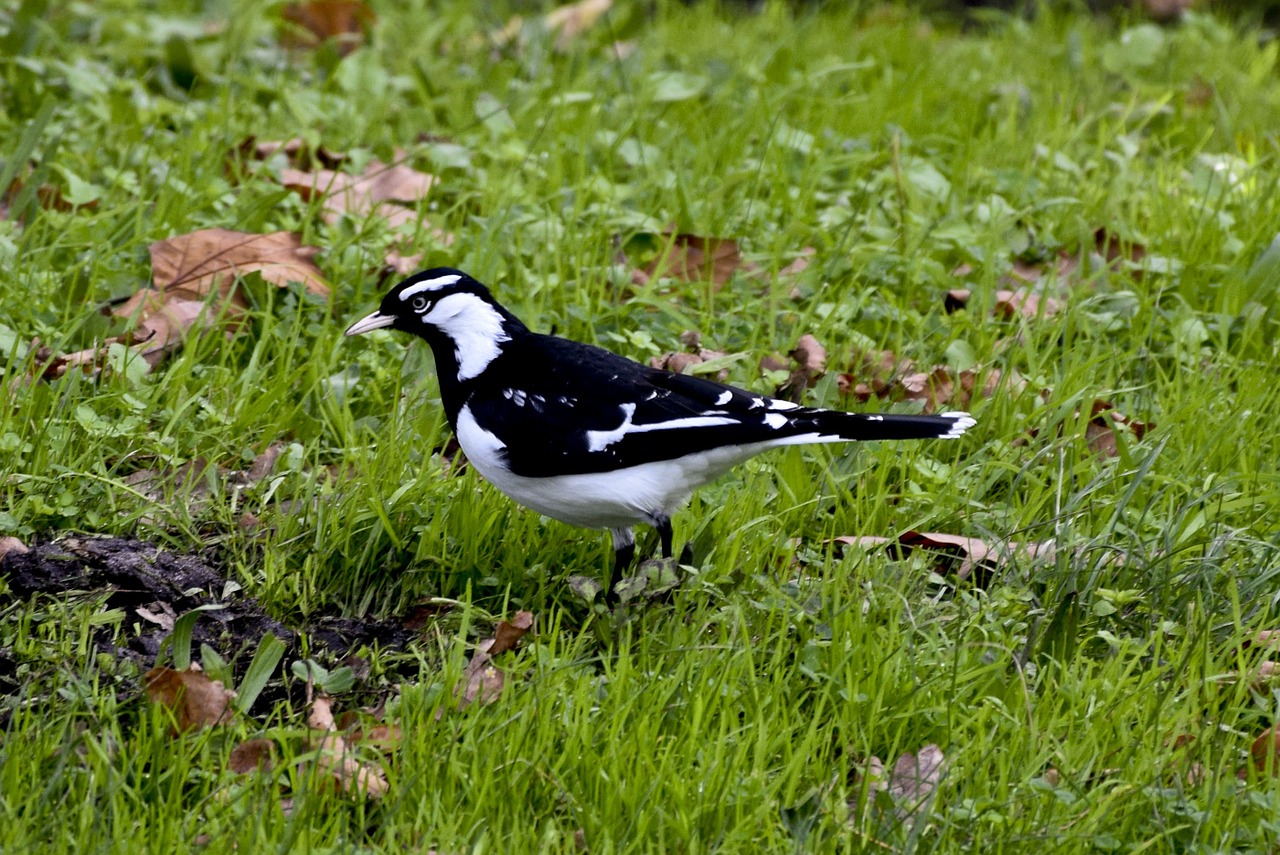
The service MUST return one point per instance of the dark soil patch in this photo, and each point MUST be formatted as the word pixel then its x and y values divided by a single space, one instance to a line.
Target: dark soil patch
pixel 156 585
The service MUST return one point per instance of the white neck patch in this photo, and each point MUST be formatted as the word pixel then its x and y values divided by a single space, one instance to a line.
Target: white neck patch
pixel 475 328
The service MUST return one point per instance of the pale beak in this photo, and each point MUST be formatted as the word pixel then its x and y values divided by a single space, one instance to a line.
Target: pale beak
pixel 375 321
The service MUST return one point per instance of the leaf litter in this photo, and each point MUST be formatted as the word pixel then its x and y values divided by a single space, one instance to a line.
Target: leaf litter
pixel 195 287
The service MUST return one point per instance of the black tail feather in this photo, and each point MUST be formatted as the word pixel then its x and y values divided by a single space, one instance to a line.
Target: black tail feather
pixel 870 426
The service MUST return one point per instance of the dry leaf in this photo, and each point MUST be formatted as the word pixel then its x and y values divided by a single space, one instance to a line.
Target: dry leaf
pixel 934 389
pixel 1100 432
pixel 509 632
pixel 11 546
pixel 361 194
pixel 405 265
pixel 915 778
pixel 345 21
pixel 692 258
pixel 194 285
pixel 1266 751
pixel 573 19
pixel 679 362
pixel 481 681
pixel 192 266
pixel 195 700
pixel 811 363
pixel 1024 302
pixel 334 755
pixel 972 553
pixel 252 755
pixel 1166 11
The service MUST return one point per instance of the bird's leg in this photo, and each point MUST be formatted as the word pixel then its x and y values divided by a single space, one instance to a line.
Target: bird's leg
pixel 663 526
pixel 624 550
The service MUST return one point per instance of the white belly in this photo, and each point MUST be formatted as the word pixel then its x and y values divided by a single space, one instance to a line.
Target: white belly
pixel 617 499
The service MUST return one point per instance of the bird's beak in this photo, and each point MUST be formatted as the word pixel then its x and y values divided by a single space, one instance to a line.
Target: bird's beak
pixel 375 321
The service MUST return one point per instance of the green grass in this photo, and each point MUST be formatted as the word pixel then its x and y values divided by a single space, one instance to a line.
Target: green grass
pixel 734 717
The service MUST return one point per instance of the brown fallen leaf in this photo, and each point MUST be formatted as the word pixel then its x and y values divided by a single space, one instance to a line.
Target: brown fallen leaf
pixel 47 196
pixel 308 25
pixel 1104 420
pixel 915 778
pixel 194 699
pixel 810 359
pixel 1167 11
pixel 335 756
pixel 570 21
pixel 692 258
pixel 1115 249
pixel 11 546
pixel 194 278
pixel 789 274
pixel 680 362
pixel 1025 303
pixel 194 265
pixel 299 152
pixel 1265 751
pixel 508 633
pixel 252 755
pixel 956 553
pixel 934 389
pixel 481 681
pixel 358 195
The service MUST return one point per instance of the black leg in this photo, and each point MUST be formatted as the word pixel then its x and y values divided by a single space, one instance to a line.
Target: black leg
pixel 624 550
pixel 663 525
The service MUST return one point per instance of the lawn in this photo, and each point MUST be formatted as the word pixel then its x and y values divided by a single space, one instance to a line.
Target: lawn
pixel 1067 226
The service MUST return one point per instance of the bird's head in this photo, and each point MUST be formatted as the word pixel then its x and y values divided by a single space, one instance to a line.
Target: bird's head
pixel 446 306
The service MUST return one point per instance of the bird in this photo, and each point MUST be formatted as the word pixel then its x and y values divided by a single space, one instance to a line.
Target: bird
pixel 588 437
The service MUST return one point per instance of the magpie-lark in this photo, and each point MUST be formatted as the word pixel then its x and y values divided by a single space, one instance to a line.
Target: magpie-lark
pixel 588 437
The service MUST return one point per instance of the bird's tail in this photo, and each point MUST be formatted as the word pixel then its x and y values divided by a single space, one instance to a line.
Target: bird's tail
pixel 868 426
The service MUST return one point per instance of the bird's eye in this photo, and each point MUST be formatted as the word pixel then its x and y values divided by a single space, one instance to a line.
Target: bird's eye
pixel 419 303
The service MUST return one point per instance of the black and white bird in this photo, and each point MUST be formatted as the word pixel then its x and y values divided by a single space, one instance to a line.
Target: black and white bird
pixel 591 438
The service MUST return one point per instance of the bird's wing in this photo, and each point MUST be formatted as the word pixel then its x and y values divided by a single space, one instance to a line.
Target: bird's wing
pixel 565 407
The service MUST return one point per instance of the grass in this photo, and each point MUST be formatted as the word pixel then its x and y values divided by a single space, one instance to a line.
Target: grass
pixel 734 717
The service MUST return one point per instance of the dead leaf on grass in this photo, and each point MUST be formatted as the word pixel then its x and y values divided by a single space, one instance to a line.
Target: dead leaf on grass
pixel 308 25
pixel 194 278
pixel 1025 303
pixel 300 153
pixel 1104 421
pixel 194 699
pixel 693 258
pixel 810 359
pixel 680 362
pixel 570 21
pixel 252 755
pixel 335 756
pixel 956 553
pixel 378 183
pixel 882 375
pixel 1265 751
pixel 481 681
pixel 915 779
pixel 11 545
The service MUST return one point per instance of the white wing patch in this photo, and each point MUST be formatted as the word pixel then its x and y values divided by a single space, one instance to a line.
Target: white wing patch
pixel 775 404
pixel 599 440
pixel 725 397
pixel 429 285
pixel 776 420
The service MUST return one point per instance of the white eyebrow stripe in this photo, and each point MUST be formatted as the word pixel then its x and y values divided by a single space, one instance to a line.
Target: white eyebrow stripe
pixel 429 285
